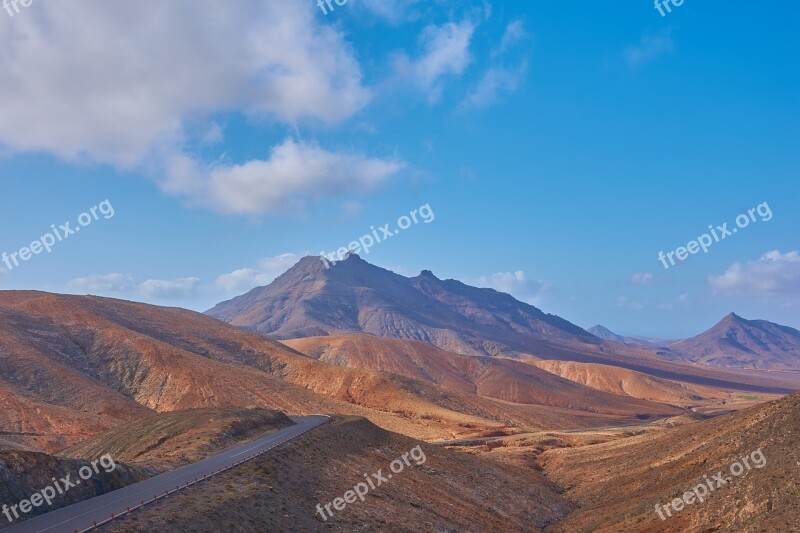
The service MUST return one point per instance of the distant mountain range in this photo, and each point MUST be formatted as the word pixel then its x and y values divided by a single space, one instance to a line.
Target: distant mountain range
pixel 353 296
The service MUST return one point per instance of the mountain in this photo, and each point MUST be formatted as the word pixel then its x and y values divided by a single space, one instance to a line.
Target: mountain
pixel 353 296
pixel 739 343
pixel 603 332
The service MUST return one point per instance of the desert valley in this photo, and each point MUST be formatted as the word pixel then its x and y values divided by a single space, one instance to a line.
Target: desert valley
pixel 528 422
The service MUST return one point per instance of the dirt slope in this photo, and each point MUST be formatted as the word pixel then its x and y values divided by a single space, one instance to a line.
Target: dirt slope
pixel 618 484
pixel 168 440
pixel 492 377
pixel 626 382
pixel 280 491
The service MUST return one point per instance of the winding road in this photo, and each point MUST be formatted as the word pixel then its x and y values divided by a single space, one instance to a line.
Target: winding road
pixel 82 516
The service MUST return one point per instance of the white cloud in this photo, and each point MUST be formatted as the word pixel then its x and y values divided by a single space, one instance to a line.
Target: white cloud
pixel 118 82
pixel 98 283
pixel 293 172
pixel 627 303
pixel 445 51
pixel 125 283
pixel 351 209
pixel 642 278
pixel 275 266
pixel 177 288
pixel 269 268
pixel 213 134
pixel 243 280
pixel 494 82
pixel 516 284
pixel 515 32
pixel 773 274
pixel 681 300
pixel 649 48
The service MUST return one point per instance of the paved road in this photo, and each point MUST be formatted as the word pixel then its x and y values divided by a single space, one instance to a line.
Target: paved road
pixel 80 516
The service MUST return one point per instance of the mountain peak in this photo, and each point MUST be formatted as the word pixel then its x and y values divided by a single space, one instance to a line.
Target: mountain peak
pixel 733 318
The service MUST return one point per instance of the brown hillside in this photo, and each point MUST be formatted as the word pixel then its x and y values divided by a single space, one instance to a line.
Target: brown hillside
pixel 166 441
pixel 492 377
pixel 280 491
pixel 629 383
pixel 122 360
pixel 618 484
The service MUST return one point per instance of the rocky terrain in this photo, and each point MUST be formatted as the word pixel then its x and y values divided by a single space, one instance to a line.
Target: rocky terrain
pixel 622 381
pixel 491 377
pixel 166 441
pixel 24 473
pixel 618 484
pixel 279 492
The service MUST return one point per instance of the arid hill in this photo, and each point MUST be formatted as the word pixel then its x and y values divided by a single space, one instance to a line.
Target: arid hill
pixel 739 343
pixel 354 296
pixel 111 361
pixel 622 381
pixel 449 491
pixel 165 441
pixel 618 484
pixel 491 377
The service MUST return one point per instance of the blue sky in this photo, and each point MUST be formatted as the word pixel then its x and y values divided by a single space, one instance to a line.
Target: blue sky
pixel 561 146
